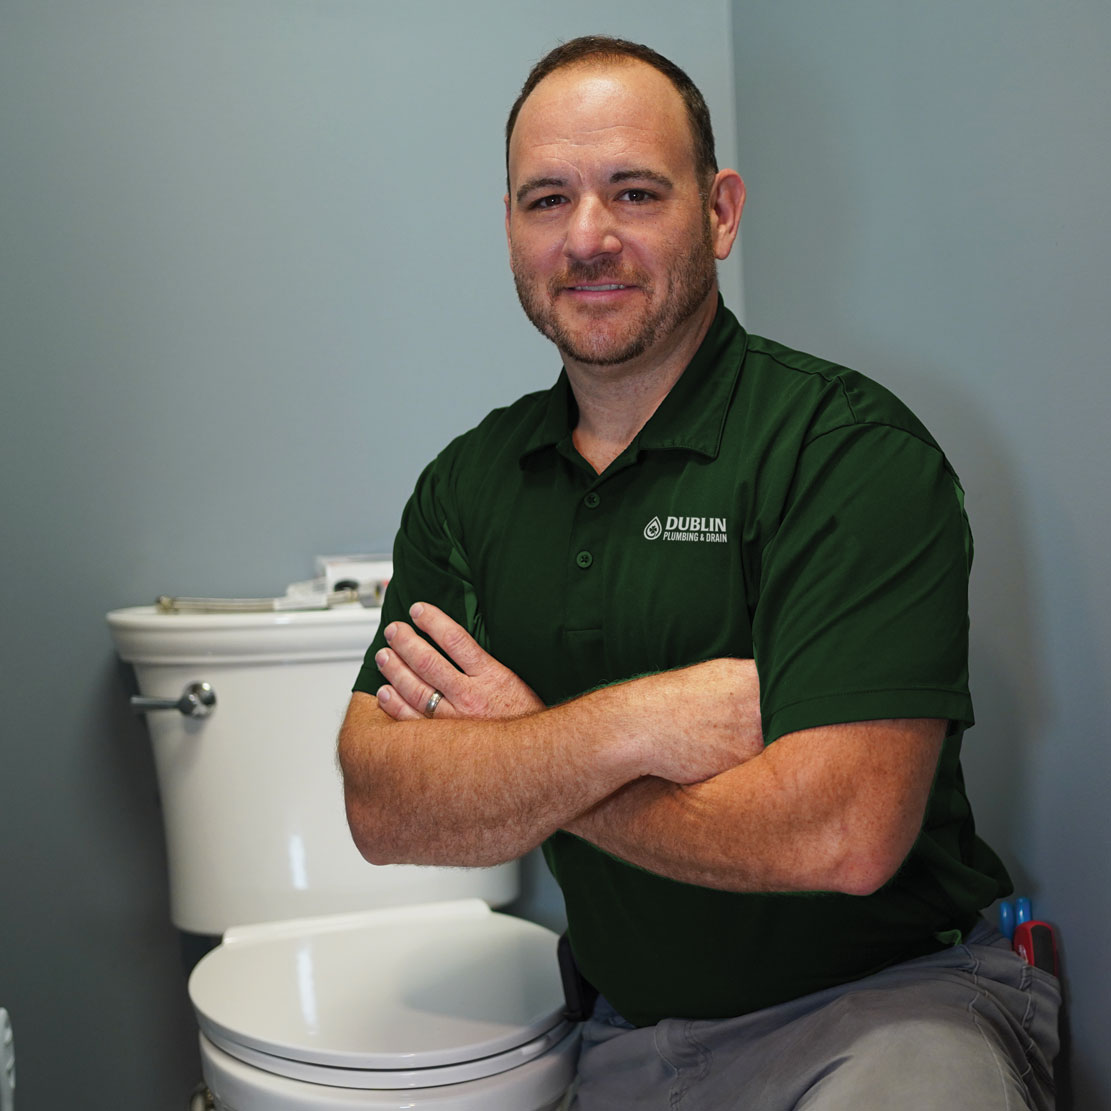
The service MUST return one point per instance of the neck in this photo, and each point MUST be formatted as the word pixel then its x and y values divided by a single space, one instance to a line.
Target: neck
pixel 615 402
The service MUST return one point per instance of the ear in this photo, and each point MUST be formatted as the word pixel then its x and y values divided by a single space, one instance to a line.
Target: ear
pixel 727 201
pixel 508 240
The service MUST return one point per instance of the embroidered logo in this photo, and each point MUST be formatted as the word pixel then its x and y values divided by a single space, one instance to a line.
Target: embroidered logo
pixel 707 530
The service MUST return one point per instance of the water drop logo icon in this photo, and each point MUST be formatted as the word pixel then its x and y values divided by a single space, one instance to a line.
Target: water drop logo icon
pixel 653 529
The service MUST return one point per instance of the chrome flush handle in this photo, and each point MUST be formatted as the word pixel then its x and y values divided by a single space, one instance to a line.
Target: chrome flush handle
pixel 197 701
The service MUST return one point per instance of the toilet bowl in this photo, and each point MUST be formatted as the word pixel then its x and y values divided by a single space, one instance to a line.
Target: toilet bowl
pixel 439 1005
pixel 337 983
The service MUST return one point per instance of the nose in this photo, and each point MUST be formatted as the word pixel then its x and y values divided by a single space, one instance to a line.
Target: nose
pixel 591 231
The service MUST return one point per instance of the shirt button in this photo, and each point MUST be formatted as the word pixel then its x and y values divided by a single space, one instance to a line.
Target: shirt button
pixel 584 559
pixel 591 500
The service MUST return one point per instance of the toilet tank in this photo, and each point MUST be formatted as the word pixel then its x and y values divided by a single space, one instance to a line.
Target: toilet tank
pixel 252 799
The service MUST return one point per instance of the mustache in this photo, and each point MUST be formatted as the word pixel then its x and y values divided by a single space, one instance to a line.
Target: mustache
pixel 606 270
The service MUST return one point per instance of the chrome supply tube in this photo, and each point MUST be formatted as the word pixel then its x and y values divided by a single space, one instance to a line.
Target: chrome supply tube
pixel 368 597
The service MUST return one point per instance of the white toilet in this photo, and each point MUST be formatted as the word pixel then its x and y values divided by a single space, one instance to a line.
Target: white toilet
pixel 337 984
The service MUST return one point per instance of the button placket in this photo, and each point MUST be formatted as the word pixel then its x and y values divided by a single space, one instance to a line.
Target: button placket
pixel 588 540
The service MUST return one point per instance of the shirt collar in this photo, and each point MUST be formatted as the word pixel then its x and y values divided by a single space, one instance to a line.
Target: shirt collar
pixel 690 418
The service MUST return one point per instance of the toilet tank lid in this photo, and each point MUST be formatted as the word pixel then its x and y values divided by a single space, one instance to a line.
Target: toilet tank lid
pixel 404 988
pixel 146 635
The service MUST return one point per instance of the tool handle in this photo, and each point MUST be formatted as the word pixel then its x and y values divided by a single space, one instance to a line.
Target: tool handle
pixel 1007 920
pixel 1036 944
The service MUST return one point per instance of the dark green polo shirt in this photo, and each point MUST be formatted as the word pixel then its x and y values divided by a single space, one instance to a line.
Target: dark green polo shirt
pixel 774 506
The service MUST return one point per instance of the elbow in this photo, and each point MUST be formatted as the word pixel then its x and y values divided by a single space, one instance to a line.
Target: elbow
pixel 374 837
pixel 869 847
pixel 371 846
pixel 864 868
pixel 374 845
pixel 363 829
pixel 365 818
pixel 862 879
pixel 374 854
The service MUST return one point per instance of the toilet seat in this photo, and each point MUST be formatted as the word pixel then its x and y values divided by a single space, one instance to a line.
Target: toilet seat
pixel 540 1085
pixel 388 1080
pixel 406 997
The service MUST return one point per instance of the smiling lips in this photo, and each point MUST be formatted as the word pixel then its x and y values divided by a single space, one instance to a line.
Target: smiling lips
pixel 597 288
pixel 590 282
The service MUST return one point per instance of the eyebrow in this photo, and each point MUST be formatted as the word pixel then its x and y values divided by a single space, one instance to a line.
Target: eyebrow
pixel 539 183
pixel 636 174
pixel 642 175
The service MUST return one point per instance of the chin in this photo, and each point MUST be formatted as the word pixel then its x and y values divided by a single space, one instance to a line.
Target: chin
pixel 600 346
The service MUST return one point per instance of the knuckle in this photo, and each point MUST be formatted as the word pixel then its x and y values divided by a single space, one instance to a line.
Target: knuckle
pixel 421 656
pixel 455 640
pixel 470 703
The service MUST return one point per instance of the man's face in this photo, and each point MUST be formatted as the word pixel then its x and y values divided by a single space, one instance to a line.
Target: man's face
pixel 609 236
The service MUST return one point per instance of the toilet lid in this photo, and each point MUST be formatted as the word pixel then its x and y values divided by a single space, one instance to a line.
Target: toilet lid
pixel 405 997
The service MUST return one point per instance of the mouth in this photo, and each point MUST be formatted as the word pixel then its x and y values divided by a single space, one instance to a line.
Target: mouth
pixel 599 287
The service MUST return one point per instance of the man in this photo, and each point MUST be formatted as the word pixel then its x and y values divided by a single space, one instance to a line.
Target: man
pixel 696 621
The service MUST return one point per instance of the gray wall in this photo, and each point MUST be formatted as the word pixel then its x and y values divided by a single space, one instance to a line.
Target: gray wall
pixel 928 203
pixel 253 277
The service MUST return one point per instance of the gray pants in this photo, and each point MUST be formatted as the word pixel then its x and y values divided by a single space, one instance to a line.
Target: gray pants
pixel 973 1027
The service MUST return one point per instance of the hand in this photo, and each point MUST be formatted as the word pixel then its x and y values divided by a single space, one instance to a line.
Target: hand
pixel 479 687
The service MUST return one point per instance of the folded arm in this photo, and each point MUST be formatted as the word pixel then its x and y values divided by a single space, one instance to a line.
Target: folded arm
pixel 473 792
pixel 836 808
pixel 495 773
pixel 668 772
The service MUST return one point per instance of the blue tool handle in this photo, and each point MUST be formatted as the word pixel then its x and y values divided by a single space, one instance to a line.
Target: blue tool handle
pixel 1022 911
pixel 1007 920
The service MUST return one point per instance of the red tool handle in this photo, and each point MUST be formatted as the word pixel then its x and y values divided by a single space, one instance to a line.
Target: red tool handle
pixel 1036 944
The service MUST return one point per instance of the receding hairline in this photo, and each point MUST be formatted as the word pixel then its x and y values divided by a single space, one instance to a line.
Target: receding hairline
pixel 600 53
pixel 602 65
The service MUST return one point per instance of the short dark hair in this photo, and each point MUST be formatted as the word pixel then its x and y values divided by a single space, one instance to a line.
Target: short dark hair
pixel 603 48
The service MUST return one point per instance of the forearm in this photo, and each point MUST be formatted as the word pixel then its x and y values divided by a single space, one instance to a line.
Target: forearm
pixel 799 817
pixel 480 791
pixel 470 792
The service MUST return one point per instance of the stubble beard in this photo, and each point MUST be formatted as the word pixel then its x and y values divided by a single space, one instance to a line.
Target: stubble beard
pixel 690 278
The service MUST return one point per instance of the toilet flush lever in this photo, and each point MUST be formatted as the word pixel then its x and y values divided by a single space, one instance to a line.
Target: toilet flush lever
pixel 196 701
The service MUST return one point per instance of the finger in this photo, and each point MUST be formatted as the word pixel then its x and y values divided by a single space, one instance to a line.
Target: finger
pixel 394 705
pixel 408 686
pixel 421 658
pixel 451 637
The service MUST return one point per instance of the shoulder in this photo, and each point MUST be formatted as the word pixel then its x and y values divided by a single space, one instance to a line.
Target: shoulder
pixel 816 396
pixel 498 439
pixel 478 465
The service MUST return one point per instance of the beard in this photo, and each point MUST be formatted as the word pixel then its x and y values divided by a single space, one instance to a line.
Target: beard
pixel 610 337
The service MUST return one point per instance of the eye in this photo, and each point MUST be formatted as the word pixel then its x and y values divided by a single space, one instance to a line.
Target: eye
pixel 638 196
pixel 552 201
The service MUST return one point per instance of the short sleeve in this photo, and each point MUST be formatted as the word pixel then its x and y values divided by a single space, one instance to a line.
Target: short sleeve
pixel 863 601
pixel 428 565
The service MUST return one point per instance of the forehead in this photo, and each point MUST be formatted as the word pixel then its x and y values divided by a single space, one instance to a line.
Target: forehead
pixel 602 110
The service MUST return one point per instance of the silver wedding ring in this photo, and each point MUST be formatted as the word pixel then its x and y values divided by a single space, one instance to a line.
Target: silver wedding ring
pixel 432 703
